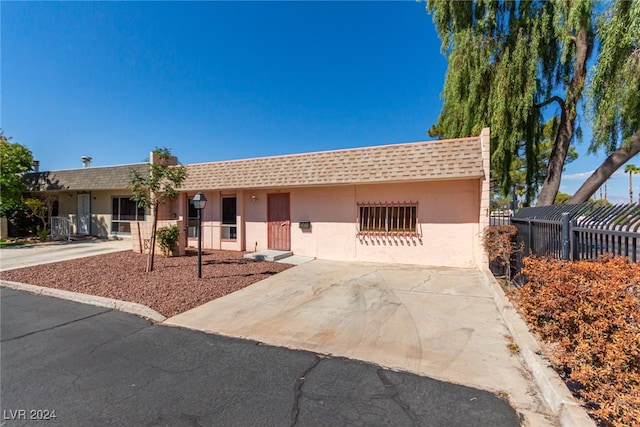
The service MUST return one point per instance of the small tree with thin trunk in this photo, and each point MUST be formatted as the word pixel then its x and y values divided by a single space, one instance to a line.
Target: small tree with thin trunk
pixel 160 185
pixel 41 207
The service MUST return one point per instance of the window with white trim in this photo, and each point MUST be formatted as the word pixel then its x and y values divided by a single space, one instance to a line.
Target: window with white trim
pixel 192 220
pixel 388 218
pixel 123 211
pixel 229 226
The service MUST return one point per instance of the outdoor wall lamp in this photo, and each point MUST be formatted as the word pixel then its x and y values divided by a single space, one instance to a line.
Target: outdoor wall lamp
pixel 254 198
pixel 199 202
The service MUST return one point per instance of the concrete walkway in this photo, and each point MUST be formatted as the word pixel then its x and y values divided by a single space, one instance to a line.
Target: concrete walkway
pixel 13 257
pixel 438 322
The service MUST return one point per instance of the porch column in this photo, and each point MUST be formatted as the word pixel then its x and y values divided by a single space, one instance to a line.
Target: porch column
pixel 485 194
pixel 240 215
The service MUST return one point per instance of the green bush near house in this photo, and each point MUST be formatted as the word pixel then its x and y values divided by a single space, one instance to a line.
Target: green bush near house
pixel 43 233
pixel 167 238
pixel 20 220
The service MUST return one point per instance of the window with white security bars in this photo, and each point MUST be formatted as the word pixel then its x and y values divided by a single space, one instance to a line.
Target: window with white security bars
pixel 388 219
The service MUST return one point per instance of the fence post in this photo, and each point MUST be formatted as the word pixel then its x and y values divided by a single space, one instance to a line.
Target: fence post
pixel 566 235
pixel 575 241
pixel 530 237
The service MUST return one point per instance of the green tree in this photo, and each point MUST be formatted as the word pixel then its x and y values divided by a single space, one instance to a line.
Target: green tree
pixel 519 166
pixel 19 216
pixel 631 169
pixel 41 207
pixel 15 160
pixel 614 92
pixel 38 209
pixel 518 175
pixel 510 64
pixel 561 198
pixel 519 171
pixel 162 184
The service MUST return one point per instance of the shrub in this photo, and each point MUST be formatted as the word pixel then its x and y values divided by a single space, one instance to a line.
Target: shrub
pixel 43 233
pixel 20 219
pixel 590 312
pixel 167 238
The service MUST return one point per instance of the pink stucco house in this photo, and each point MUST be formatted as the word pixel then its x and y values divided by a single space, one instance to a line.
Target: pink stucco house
pixel 415 203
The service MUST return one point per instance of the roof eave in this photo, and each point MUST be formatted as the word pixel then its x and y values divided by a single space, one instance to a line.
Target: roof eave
pixel 474 176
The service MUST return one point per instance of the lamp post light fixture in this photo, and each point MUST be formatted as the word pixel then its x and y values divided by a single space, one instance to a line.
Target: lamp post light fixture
pixel 199 202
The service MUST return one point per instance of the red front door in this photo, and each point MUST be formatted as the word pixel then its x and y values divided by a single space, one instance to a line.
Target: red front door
pixel 279 221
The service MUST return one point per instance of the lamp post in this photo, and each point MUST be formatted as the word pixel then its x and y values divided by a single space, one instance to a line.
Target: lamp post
pixel 199 202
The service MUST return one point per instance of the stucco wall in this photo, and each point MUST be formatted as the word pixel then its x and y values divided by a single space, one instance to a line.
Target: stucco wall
pixel 141 235
pixel 101 211
pixel 447 222
pixel 332 212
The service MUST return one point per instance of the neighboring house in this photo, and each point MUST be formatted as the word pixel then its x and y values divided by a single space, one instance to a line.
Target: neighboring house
pixel 414 203
pixel 94 200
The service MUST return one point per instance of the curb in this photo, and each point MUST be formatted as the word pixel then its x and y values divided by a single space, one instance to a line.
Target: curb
pixel 125 306
pixel 554 391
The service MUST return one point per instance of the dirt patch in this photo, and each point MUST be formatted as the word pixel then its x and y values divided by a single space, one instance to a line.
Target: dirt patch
pixel 171 288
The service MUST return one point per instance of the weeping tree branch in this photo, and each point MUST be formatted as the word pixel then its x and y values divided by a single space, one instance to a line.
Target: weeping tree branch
pixel 557 99
pixel 608 167
pixel 566 127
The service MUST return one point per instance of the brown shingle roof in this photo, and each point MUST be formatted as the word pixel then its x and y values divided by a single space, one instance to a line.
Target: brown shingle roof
pixel 435 160
pixel 93 178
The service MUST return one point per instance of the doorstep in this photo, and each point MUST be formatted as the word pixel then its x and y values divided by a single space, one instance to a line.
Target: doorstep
pixel 269 255
pixel 285 257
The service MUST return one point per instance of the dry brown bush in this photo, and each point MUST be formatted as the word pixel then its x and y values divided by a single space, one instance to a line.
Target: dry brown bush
pixel 590 312
pixel 499 243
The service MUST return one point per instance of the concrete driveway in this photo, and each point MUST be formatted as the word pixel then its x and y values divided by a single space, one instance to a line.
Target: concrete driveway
pixel 23 256
pixel 438 322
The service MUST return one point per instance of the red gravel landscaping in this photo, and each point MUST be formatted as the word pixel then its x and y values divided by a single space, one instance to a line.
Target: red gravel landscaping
pixel 171 288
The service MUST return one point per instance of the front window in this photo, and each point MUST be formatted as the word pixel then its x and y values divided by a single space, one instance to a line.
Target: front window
pixel 123 211
pixel 229 219
pixel 388 218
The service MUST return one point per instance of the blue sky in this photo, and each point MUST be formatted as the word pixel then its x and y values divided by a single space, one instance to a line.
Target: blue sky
pixel 222 80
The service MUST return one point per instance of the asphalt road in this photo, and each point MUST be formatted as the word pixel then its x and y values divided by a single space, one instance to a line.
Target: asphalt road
pixel 65 363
